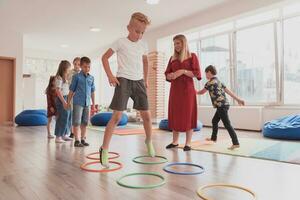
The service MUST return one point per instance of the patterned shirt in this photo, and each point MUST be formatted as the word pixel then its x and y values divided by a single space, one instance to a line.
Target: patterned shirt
pixel 216 91
pixel 83 86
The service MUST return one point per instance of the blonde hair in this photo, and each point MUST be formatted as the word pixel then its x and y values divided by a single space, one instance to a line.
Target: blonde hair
pixel 138 16
pixel 76 59
pixel 184 53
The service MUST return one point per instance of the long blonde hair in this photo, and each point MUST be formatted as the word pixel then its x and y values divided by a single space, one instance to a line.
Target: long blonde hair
pixel 185 52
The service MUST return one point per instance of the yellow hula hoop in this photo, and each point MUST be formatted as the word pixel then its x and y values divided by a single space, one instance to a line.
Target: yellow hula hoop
pixel 200 190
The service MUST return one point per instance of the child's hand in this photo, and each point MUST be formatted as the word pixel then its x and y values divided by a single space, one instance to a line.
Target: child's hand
pixel 65 105
pixel 146 83
pixel 241 102
pixel 52 109
pixel 201 92
pixel 113 81
pixel 93 108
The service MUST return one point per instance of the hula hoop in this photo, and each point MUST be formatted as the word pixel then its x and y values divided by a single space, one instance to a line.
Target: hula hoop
pixel 84 167
pixel 164 160
pixel 89 156
pixel 183 173
pixel 119 181
pixel 200 190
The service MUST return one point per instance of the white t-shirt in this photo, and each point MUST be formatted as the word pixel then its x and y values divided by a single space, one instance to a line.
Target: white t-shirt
pixel 62 86
pixel 130 58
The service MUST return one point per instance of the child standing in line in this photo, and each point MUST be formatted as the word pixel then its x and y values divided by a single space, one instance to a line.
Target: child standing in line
pixel 62 126
pixel 131 81
pixel 217 94
pixel 83 90
pixel 75 70
pixel 51 108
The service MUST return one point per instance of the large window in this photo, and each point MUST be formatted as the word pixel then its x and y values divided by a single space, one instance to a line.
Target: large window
pixel 255 59
pixel 292 61
pixel 257 56
pixel 215 51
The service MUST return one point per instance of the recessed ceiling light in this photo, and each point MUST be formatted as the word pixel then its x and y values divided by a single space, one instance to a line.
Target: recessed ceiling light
pixel 95 29
pixel 152 2
pixel 64 46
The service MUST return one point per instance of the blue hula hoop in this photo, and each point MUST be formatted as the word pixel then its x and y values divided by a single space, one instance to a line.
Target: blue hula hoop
pixel 184 173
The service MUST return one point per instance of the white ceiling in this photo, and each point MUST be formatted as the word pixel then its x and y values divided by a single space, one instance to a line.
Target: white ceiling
pixel 47 24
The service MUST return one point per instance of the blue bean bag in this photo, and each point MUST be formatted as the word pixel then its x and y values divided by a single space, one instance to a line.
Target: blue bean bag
pixel 38 111
pixel 101 119
pixel 163 125
pixel 31 119
pixel 283 128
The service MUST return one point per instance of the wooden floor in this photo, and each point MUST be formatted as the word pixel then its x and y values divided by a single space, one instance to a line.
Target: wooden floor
pixel 32 167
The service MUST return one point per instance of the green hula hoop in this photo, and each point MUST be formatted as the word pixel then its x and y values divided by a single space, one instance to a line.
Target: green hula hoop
pixel 164 160
pixel 119 181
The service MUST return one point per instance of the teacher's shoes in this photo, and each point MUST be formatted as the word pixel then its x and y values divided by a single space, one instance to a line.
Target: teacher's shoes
pixel 170 146
pixel 187 148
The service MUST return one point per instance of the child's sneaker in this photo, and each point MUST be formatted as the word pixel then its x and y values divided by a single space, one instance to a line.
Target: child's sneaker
pixel 50 136
pixel 66 138
pixel 150 148
pixel 78 144
pixel 103 153
pixel 234 146
pixel 84 143
pixel 59 140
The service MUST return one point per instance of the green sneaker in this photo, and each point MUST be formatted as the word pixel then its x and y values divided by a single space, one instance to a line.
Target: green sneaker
pixel 104 157
pixel 150 148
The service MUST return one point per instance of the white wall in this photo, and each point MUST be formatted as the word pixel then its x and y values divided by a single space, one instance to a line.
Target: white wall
pixel 11 45
pixel 270 113
pixel 209 16
pixel 35 53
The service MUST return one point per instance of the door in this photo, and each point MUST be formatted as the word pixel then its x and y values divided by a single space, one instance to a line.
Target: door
pixel 7 89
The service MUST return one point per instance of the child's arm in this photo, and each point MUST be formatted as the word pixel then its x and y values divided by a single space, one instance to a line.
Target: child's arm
pixel 113 81
pixel 203 91
pixel 145 67
pixel 70 97
pixel 93 95
pixel 61 98
pixel 93 101
pixel 230 93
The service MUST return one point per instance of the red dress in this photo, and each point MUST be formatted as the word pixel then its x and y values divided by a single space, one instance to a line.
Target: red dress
pixel 182 115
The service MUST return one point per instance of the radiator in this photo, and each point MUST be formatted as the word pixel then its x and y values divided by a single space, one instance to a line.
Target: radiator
pixel 245 118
